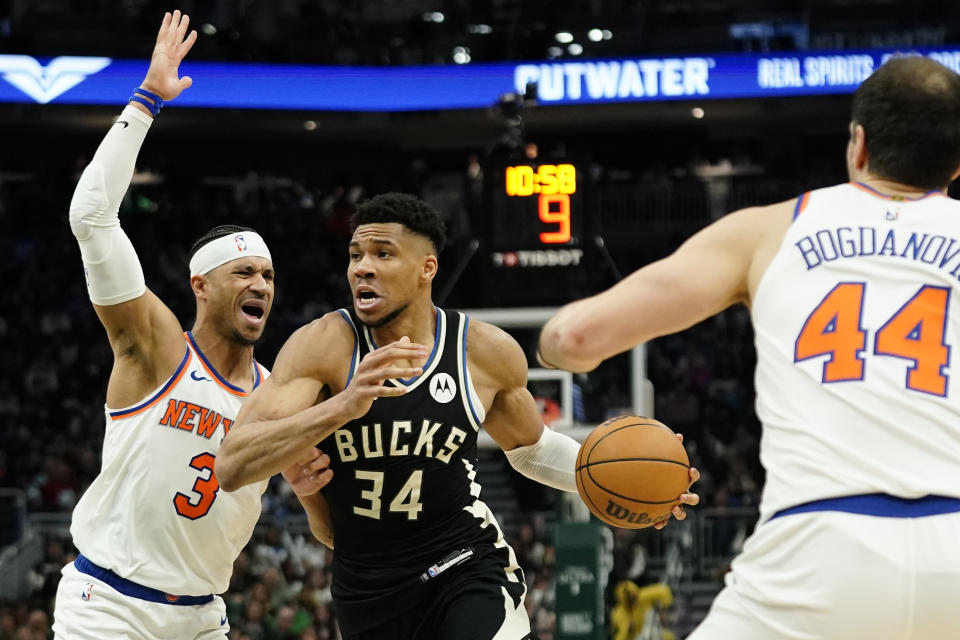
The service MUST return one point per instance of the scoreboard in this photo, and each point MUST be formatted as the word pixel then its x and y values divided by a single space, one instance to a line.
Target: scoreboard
pixel 536 233
pixel 535 206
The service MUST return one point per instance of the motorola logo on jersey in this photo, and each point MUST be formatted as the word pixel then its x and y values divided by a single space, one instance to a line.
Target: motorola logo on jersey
pixel 44 83
pixel 443 388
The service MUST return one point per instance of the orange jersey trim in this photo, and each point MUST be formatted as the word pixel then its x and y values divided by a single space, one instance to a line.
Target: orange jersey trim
pixel 220 380
pixel 802 202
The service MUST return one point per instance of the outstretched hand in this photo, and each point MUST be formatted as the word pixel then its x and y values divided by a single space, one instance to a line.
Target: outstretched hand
pixel 377 367
pixel 163 76
pixel 309 474
pixel 691 499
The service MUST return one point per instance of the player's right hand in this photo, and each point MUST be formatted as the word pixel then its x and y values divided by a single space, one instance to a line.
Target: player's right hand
pixel 310 473
pixel 377 367
pixel 163 76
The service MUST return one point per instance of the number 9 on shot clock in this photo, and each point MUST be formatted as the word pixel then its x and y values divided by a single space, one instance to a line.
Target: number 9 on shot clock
pixel 536 205
pixel 536 226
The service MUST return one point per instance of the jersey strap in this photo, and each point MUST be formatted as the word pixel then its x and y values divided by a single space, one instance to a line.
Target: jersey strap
pixel 355 358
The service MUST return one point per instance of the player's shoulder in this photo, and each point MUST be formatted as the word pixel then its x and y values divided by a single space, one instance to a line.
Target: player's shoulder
pixel 760 218
pixel 494 352
pixel 326 339
pixel 331 331
pixel 751 230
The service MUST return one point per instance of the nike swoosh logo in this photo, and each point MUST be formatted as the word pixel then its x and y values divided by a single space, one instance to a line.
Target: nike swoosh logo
pixel 223 621
pixel 124 123
pixel 193 374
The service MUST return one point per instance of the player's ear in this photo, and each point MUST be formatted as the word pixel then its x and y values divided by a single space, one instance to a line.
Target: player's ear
pixel 200 286
pixel 429 270
pixel 860 147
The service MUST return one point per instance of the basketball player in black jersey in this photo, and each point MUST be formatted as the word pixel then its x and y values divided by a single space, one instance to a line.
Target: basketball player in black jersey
pixel 418 554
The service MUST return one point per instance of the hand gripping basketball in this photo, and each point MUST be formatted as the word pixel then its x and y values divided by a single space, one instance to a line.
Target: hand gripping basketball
pixel 633 472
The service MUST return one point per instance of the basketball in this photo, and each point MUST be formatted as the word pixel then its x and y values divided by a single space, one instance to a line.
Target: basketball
pixel 631 471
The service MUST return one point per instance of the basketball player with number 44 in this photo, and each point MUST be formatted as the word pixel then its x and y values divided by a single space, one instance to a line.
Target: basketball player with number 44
pixel 853 295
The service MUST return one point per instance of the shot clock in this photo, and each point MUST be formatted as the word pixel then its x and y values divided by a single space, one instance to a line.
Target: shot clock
pixel 535 206
pixel 535 230
pixel 554 184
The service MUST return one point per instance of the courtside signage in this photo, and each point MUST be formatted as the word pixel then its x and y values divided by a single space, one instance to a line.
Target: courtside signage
pixel 89 80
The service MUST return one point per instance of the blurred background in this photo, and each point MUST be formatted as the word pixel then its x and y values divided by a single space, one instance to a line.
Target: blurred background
pixel 649 168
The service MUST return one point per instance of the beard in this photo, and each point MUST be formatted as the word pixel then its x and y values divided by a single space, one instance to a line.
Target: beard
pixel 239 338
pixel 385 320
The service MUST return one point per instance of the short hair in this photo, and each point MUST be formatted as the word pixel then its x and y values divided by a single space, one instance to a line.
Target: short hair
pixel 216 232
pixel 413 213
pixel 910 112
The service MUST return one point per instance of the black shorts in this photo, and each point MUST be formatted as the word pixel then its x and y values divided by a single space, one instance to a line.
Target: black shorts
pixel 475 602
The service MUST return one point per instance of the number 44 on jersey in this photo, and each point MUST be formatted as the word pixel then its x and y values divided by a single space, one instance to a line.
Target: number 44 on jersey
pixel 916 333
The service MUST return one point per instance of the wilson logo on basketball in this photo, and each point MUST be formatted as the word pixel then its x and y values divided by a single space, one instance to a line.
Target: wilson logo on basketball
pixel 621 513
pixel 443 388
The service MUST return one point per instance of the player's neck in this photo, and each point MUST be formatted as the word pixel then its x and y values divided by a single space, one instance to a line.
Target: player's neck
pixel 890 187
pixel 418 322
pixel 231 359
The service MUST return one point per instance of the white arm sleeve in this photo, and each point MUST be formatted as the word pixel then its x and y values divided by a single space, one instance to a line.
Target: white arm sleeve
pixel 551 460
pixel 110 262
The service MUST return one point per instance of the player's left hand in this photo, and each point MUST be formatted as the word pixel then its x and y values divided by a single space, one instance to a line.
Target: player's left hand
pixel 173 43
pixel 691 499
pixel 309 474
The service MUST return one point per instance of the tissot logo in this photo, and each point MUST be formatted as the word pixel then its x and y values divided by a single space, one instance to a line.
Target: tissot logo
pixel 443 388
pixel 43 84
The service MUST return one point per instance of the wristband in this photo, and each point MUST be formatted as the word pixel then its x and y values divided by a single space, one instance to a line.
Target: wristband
pixel 140 95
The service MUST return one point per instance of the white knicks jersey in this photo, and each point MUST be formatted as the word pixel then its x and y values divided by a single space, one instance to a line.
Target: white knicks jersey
pixel 857 326
pixel 155 514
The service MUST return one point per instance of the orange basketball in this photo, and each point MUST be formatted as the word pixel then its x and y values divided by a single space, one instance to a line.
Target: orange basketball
pixel 631 471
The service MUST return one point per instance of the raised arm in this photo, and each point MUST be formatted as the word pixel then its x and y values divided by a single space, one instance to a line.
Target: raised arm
pixel 144 334
pixel 716 268
pixel 286 416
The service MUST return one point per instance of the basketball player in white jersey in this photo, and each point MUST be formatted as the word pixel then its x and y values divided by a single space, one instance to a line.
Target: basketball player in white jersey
pixel 852 291
pixel 157 538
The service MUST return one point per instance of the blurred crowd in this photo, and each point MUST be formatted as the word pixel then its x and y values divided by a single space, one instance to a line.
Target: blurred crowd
pixel 56 362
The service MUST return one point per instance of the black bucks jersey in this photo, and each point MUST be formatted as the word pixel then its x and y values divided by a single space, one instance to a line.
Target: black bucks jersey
pixel 404 500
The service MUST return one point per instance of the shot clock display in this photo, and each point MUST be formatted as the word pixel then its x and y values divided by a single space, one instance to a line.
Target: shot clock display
pixel 535 232
pixel 540 209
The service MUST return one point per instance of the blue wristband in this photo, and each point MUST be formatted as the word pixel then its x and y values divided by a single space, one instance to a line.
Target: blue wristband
pixel 140 95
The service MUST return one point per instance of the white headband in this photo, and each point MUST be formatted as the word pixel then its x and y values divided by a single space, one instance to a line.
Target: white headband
pixel 227 248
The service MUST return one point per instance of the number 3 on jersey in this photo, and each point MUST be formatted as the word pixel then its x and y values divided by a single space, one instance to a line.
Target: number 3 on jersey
pixel 206 487
pixel 916 332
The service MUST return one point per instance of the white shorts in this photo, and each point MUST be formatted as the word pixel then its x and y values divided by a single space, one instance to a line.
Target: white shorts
pixel 89 609
pixel 829 575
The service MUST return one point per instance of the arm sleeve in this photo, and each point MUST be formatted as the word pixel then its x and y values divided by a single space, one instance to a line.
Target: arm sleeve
pixel 111 266
pixel 551 460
